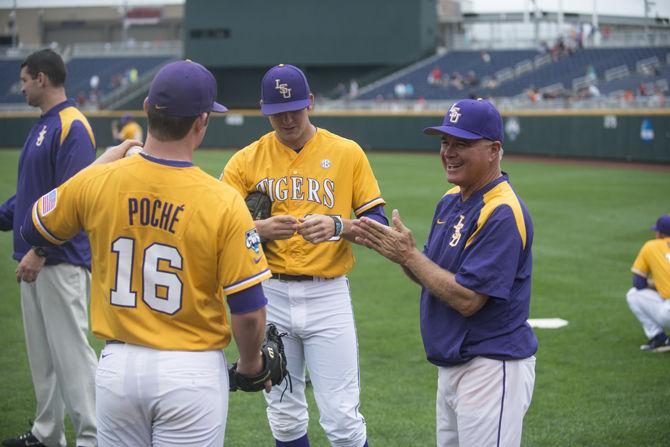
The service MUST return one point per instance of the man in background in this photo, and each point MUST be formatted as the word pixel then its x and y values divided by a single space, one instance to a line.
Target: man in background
pixel 54 281
pixel 649 298
pixel 130 129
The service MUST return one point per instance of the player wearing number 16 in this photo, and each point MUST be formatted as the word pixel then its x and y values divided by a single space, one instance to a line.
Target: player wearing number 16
pixel 168 241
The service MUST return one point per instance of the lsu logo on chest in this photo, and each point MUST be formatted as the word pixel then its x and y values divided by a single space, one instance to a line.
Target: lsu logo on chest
pixel 456 235
pixel 298 188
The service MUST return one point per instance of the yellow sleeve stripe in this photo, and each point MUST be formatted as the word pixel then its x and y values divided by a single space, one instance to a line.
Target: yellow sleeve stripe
pixel 42 229
pixel 69 115
pixel 366 206
pixel 638 272
pixel 501 194
pixel 247 282
pixel 454 190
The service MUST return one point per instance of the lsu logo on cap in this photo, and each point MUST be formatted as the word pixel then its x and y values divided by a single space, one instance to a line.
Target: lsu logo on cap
pixel 253 240
pixel 48 202
pixel 283 89
pixel 453 114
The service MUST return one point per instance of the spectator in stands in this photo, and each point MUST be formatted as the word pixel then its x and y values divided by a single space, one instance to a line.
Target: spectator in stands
pixel 591 72
pixel 435 76
pixel 409 90
pixel 593 91
pixel 81 99
pixel 353 88
pixel 399 90
pixel 130 129
pixel 94 82
pixel 471 80
pixel 629 96
pixel 457 80
pixel 642 89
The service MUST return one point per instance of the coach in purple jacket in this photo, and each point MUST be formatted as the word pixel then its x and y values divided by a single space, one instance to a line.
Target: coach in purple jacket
pixel 54 281
pixel 475 273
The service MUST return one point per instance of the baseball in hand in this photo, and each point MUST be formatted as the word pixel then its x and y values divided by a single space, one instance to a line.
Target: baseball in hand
pixel 133 150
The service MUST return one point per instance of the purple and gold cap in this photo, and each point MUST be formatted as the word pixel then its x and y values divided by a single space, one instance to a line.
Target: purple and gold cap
pixel 471 119
pixel 284 89
pixel 184 88
pixel 663 224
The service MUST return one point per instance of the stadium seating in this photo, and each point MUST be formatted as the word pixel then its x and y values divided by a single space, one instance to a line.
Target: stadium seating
pixel 10 87
pixel 112 72
pixel 516 71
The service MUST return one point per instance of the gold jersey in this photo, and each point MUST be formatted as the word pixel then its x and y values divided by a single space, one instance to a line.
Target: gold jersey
pixel 330 175
pixel 167 241
pixel 653 261
pixel 132 131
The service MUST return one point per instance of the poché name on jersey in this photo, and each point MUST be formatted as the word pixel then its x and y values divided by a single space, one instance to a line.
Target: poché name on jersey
pixel 161 214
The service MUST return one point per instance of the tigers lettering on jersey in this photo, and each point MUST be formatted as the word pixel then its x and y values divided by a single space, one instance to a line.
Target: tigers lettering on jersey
pixel 143 211
pixel 330 176
pixel 299 188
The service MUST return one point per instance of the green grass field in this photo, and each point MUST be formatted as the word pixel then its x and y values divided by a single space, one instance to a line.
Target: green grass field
pixel 593 386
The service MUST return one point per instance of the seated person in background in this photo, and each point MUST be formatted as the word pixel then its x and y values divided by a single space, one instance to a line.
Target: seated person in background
pixel 130 129
pixel 649 299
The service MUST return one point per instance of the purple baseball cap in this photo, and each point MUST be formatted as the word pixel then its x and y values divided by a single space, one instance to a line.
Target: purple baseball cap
pixel 663 224
pixel 471 119
pixel 184 88
pixel 284 88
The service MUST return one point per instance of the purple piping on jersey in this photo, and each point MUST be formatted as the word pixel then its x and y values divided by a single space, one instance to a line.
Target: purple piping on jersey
pixel 302 441
pixel 247 300
pixel 162 161
pixel 242 281
pixel 502 401
pixel 376 199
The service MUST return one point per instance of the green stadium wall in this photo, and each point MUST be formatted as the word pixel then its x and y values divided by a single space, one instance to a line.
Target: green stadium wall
pixel 606 135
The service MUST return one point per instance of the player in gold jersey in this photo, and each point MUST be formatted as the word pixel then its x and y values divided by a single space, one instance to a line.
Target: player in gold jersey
pixel 168 242
pixel 316 180
pixel 649 298
pixel 130 129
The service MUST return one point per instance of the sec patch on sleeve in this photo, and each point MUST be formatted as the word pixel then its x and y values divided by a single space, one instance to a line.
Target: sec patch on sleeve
pixel 253 240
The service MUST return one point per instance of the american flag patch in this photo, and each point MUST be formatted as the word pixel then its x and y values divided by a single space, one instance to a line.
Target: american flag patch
pixel 48 202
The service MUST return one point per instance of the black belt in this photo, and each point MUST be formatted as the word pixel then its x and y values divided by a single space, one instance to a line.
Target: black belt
pixel 285 277
pixel 114 342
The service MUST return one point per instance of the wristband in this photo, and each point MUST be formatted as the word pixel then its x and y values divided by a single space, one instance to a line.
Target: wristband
pixel 339 225
pixel 40 251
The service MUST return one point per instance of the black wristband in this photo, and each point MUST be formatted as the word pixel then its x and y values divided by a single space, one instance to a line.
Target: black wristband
pixel 40 251
pixel 339 225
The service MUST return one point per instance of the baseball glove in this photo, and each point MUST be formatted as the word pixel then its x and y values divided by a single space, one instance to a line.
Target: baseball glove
pixel 274 365
pixel 259 204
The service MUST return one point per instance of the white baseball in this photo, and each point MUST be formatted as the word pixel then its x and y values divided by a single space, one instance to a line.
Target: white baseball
pixel 133 150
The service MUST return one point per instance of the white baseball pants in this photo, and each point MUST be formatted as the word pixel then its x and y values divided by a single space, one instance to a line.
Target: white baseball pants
pixel 319 320
pixel 650 309
pixel 147 397
pixel 62 363
pixel 482 403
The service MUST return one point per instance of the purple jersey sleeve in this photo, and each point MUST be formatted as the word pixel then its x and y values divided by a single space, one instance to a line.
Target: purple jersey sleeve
pixel 639 282
pixel 7 214
pixel 492 259
pixel 377 214
pixel 247 300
